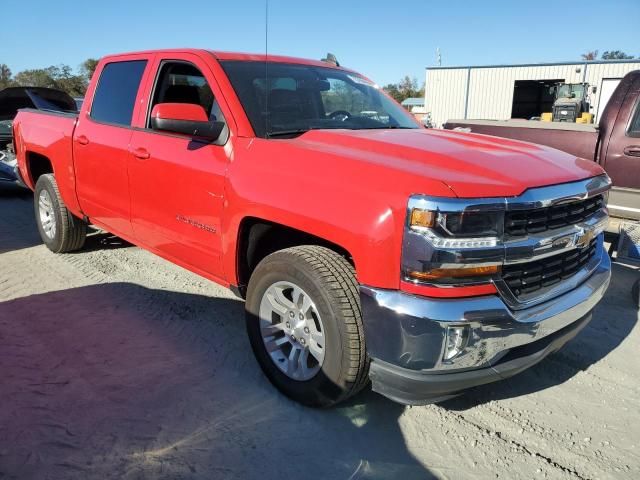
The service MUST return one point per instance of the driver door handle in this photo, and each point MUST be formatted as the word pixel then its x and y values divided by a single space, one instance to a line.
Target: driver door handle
pixel 632 150
pixel 82 140
pixel 141 153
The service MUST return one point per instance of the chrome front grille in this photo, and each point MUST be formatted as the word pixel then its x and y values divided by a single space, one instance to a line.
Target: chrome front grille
pixel 518 223
pixel 529 277
pixel 540 248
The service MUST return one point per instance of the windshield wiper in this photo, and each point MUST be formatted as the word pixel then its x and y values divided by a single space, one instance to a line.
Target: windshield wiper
pixel 392 127
pixel 283 133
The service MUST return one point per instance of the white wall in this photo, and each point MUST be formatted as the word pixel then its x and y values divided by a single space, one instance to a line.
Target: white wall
pixel 491 88
pixel 445 94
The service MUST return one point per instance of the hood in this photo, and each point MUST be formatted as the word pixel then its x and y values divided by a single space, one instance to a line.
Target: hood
pixel 14 98
pixel 471 165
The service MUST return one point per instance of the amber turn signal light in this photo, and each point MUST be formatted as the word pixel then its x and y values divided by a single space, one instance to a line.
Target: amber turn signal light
pixel 422 218
pixel 439 273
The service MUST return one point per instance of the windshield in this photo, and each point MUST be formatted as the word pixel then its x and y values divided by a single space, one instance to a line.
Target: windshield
pixel 571 91
pixel 297 98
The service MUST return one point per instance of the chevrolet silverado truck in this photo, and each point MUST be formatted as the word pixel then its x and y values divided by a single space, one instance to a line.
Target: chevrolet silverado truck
pixel 365 246
pixel 614 143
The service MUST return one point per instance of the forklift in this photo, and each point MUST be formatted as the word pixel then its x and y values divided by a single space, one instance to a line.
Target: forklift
pixel 571 101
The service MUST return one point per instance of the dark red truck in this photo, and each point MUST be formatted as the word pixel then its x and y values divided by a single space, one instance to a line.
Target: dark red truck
pixel 614 143
pixel 366 246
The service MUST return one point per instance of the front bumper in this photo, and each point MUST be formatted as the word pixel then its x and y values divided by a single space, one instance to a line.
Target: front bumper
pixel 406 337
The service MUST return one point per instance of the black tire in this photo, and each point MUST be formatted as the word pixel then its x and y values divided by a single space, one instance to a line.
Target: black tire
pixel 70 232
pixel 331 283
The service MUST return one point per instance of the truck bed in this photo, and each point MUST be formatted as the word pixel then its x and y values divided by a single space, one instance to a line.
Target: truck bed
pixel 575 138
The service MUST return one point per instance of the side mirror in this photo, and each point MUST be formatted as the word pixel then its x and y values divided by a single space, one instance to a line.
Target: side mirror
pixel 186 118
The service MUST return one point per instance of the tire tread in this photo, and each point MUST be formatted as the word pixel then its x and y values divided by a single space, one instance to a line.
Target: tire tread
pixel 73 231
pixel 339 278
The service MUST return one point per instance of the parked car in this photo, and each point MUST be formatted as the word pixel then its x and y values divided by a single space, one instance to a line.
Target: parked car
pixel 11 100
pixel 8 167
pixel 614 143
pixel 365 246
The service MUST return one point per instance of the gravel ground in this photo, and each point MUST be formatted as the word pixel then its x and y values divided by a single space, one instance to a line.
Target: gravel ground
pixel 117 364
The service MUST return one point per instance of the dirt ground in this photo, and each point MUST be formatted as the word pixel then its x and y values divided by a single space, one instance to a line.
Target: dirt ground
pixel 117 364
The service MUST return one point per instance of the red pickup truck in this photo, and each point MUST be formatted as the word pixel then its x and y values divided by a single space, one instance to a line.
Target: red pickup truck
pixel 366 246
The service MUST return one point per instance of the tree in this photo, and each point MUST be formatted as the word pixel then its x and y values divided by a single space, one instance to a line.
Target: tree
pixel 60 77
pixel 393 92
pixel 37 77
pixel 590 55
pixel 405 88
pixel 88 67
pixel 5 76
pixel 615 55
pixel 74 85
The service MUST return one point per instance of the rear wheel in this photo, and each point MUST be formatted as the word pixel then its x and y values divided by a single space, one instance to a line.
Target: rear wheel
pixel 59 229
pixel 305 327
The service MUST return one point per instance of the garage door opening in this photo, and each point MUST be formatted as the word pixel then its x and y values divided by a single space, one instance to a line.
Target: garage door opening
pixel 532 97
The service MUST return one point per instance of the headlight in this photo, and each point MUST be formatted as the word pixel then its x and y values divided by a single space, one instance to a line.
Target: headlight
pixel 473 224
pixel 448 246
pixel 458 224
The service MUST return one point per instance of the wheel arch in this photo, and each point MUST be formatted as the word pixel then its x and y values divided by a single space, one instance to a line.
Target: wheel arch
pixel 258 237
pixel 37 165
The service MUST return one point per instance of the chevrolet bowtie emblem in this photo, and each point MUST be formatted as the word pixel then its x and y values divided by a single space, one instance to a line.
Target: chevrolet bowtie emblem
pixel 579 239
pixel 583 239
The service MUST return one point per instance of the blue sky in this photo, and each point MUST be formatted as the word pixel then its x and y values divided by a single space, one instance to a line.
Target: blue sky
pixel 382 39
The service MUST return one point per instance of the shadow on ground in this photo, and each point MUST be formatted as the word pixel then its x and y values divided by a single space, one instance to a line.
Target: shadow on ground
pixel 613 319
pixel 17 225
pixel 120 381
pixel 100 240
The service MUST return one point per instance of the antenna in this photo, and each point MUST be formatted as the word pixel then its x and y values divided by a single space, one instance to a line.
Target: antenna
pixel 438 57
pixel 266 67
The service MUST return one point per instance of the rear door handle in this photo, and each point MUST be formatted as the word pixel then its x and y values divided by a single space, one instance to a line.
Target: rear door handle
pixel 632 150
pixel 82 140
pixel 141 153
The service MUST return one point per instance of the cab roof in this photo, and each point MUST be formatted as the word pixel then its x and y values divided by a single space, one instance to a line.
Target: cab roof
pixel 238 56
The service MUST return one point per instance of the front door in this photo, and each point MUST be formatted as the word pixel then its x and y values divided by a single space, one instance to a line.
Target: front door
pixel 177 183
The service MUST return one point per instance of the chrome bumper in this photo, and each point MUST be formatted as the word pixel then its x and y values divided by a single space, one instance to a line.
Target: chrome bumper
pixel 408 333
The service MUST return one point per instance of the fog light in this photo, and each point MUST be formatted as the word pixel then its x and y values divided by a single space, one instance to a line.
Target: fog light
pixel 456 341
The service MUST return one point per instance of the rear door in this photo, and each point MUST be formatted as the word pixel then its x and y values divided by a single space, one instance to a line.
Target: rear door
pixel 101 143
pixel 177 182
pixel 622 160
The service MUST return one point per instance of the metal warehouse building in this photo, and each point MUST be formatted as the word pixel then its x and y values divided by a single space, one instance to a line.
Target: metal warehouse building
pixel 500 92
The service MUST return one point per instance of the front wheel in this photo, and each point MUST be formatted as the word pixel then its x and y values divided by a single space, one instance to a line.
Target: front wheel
pixel 60 231
pixel 305 325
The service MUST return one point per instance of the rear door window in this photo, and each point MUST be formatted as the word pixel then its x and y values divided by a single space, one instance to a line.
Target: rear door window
pixel 116 93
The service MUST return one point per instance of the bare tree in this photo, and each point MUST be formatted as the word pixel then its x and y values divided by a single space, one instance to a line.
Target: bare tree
pixel 590 55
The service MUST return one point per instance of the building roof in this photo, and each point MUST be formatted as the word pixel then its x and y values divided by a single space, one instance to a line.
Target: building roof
pixel 413 101
pixel 588 62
